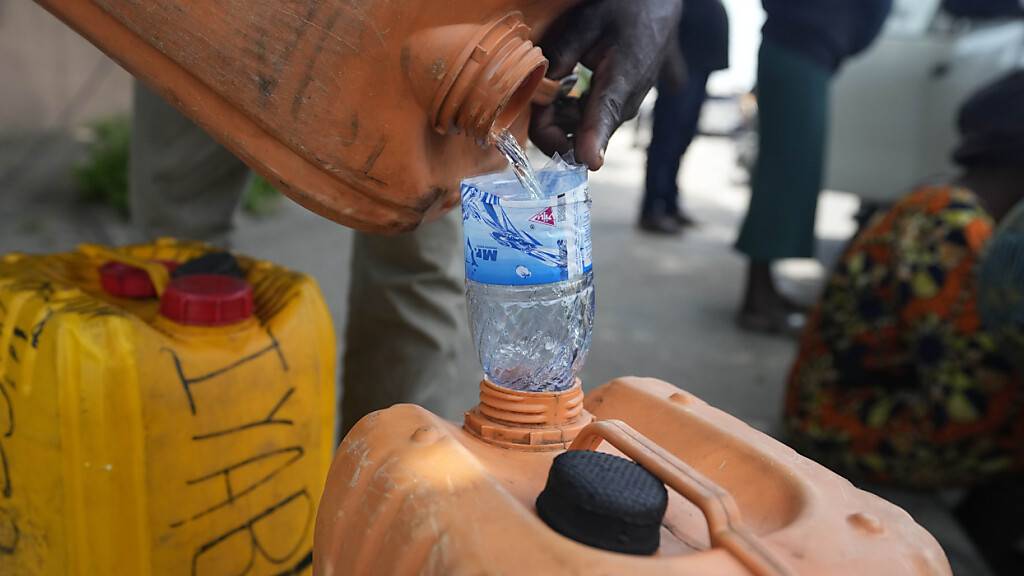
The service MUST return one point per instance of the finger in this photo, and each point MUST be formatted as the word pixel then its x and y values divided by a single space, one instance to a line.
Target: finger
pixel 546 134
pixel 564 46
pixel 612 101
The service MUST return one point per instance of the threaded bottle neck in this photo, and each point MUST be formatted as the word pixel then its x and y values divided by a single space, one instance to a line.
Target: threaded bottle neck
pixel 533 421
pixel 490 73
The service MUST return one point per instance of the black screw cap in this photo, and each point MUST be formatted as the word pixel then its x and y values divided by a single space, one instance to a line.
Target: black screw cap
pixel 222 263
pixel 604 501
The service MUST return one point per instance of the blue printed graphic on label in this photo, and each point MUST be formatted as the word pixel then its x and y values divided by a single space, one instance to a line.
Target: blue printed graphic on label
pixel 525 242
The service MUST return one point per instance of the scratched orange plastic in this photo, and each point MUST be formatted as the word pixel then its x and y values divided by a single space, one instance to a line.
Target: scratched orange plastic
pixel 410 493
pixel 132 445
pixel 353 108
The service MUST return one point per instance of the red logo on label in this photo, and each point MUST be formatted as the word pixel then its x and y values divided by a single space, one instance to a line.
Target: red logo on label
pixel 545 217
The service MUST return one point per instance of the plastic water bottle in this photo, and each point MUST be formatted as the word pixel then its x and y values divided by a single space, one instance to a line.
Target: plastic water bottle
pixel 529 277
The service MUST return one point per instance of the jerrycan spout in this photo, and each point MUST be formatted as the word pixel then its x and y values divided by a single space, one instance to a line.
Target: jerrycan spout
pixel 474 79
pixel 528 421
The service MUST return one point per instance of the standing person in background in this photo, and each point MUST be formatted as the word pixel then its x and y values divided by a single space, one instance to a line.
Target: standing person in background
pixel 805 42
pixel 701 47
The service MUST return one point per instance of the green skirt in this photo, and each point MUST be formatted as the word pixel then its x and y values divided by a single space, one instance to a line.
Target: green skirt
pixel 792 97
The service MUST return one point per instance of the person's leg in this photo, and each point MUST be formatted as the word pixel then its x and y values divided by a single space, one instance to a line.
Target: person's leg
pixel 793 105
pixel 662 162
pixel 407 323
pixel 692 101
pixel 183 183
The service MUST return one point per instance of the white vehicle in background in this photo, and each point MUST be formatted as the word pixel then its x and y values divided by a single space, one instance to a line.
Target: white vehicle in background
pixel 894 108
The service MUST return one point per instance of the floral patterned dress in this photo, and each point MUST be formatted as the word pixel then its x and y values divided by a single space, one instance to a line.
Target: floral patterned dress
pixel 896 380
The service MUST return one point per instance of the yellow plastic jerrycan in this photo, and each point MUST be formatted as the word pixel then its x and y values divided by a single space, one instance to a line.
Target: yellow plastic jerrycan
pixel 143 435
pixel 545 483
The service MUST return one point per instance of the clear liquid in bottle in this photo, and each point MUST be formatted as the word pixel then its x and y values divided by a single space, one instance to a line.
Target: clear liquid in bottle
pixel 529 278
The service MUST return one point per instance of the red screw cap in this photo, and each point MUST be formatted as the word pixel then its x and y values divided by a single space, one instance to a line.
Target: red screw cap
pixel 207 300
pixel 124 281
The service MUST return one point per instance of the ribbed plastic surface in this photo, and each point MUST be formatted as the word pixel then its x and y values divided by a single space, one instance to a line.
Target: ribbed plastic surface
pixel 207 300
pixel 604 501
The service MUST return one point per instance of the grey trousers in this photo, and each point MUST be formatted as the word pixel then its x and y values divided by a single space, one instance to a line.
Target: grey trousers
pixel 407 317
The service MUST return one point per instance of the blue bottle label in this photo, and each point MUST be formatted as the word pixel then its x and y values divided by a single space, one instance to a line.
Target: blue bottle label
pixel 526 242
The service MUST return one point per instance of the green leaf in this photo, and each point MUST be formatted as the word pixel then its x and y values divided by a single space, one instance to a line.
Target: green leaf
pixel 260 198
pixel 103 176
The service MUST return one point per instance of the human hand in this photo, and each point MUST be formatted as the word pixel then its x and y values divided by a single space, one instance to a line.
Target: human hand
pixel 623 42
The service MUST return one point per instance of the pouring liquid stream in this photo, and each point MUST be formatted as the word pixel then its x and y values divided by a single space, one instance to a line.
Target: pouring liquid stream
pixel 506 143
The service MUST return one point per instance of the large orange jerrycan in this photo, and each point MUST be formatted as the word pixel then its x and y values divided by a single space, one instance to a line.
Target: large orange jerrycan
pixel 348 106
pixel 145 435
pixel 410 493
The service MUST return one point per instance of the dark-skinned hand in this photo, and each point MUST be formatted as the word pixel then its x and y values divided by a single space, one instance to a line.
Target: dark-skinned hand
pixel 624 43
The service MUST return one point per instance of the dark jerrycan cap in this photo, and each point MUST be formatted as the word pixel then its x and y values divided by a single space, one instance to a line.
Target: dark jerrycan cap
pixel 604 501
pixel 207 300
pixel 211 263
pixel 126 281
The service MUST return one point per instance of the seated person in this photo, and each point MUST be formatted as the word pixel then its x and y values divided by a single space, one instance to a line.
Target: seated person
pixel 991 513
pixel 897 380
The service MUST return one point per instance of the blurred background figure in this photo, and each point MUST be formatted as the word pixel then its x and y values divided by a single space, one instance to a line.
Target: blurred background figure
pixel 898 380
pixel 992 514
pixel 804 43
pixel 701 47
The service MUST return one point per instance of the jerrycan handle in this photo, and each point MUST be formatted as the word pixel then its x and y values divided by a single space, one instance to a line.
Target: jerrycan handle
pixel 725 525
pixel 157 272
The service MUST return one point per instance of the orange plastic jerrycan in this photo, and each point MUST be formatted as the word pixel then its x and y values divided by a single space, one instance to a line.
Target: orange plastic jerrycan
pixel 157 422
pixel 640 478
pixel 351 107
